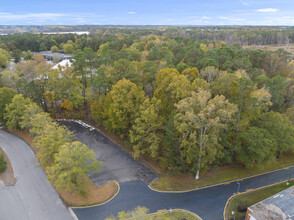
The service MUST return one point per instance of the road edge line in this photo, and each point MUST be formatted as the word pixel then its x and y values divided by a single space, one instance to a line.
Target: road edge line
pixel 72 214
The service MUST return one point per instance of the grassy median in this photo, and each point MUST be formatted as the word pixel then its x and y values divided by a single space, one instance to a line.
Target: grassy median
pixel 175 215
pixel 7 176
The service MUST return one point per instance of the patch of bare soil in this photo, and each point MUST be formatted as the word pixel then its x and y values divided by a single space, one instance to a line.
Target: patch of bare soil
pixel 289 47
pixel 7 176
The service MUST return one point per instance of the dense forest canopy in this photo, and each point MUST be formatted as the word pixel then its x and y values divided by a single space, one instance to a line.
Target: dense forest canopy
pixel 182 98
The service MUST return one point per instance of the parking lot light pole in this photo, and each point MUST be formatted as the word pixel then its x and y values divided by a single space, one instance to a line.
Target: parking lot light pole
pixel 236 199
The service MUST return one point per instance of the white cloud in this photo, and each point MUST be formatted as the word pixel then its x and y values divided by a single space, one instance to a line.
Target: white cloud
pixel 80 20
pixel 267 10
pixel 56 18
pixel 231 18
pixel 245 3
pixel 40 17
pixel 131 12
pixel 205 17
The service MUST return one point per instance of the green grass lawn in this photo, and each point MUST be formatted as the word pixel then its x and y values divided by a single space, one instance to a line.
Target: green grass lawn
pixel 175 215
pixel 248 199
pixel 217 176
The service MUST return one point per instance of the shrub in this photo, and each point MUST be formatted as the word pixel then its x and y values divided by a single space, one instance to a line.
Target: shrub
pixel 2 163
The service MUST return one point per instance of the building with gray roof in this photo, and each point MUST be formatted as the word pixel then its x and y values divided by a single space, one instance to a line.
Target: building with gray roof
pixel 276 207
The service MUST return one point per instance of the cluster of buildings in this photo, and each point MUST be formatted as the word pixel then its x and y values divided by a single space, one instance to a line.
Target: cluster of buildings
pixel 65 59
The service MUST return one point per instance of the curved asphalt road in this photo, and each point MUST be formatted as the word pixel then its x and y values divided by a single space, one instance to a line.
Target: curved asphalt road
pixel 32 197
pixel 208 203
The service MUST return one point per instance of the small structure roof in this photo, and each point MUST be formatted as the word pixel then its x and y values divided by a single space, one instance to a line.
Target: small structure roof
pixel 63 64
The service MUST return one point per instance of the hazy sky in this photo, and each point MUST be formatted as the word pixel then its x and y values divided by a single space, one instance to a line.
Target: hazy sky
pixel 151 12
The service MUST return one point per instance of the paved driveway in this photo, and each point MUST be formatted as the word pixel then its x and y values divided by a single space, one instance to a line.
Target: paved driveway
pixel 32 197
pixel 117 164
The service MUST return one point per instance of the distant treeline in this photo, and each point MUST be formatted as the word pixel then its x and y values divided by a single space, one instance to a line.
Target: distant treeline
pixel 243 35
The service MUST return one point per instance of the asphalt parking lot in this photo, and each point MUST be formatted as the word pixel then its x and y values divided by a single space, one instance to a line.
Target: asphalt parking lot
pixel 118 165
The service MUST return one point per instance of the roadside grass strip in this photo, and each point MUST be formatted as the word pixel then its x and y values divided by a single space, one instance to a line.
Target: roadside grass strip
pixel 218 184
pixel 166 211
pixel 99 204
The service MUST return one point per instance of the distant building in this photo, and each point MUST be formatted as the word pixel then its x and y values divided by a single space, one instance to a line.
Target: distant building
pixel 277 207
pixel 49 55
pixel 63 64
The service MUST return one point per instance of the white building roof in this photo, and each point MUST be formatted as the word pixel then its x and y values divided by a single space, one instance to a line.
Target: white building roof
pixel 63 64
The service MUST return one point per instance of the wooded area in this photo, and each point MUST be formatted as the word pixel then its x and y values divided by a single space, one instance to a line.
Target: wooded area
pixel 188 104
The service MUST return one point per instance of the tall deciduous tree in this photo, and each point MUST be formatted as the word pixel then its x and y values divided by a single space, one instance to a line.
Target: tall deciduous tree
pixel 280 130
pixel 257 147
pixel 225 85
pixel 123 68
pixel 277 86
pixel 148 128
pixel 243 99
pixel 191 73
pixel 68 48
pixel 73 161
pixel 272 64
pixel 37 122
pixel 170 88
pixel 14 112
pixel 199 120
pixel 30 111
pixel 80 69
pixel 49 143
pixel 6 96
pixel 210 73
pixel 122 105
pixel 4 57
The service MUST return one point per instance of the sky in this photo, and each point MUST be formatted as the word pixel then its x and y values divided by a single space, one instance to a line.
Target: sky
pixel 143 12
